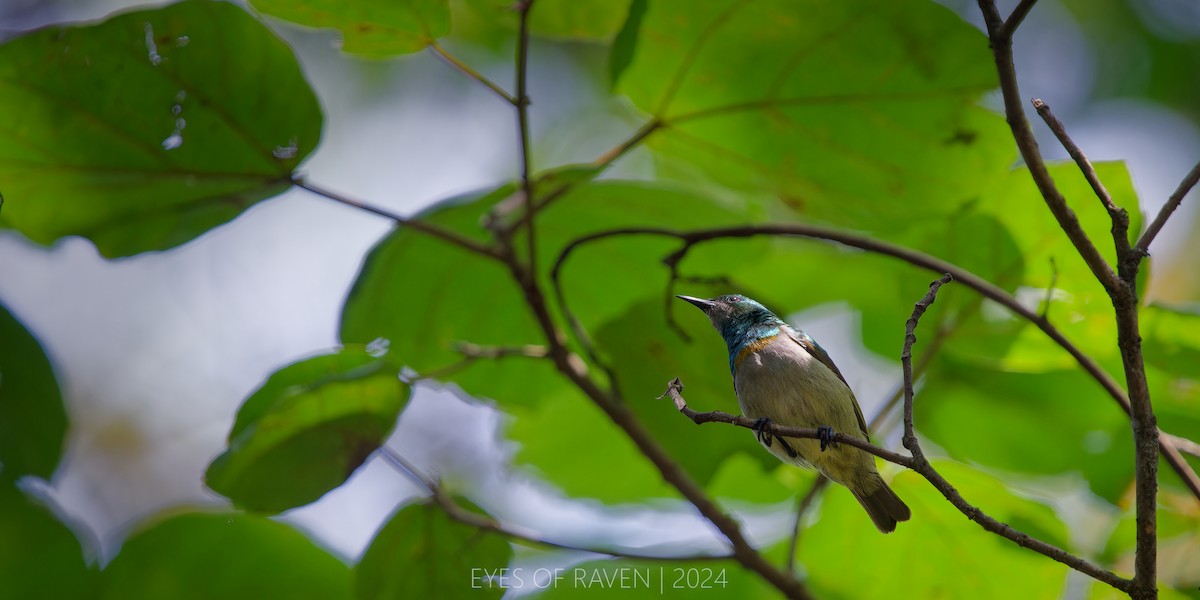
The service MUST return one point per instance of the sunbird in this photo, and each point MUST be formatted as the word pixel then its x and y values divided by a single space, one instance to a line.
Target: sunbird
pixel 782 376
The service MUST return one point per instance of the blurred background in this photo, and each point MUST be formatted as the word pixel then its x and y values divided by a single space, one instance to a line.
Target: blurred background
pixel 156 352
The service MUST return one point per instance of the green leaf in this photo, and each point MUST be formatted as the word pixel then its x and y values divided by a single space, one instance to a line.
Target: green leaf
pixel 223 555
pixel 625 44
pixel 220 118
pixel 495 22
pixel 369 28
pixel 426 296
pixel 33 421
pixel 423 553
pixel 866 564
pixel 1040 423
pixel 39 556
pixel 570 440
pixel 856 113
pixel 647 353
pixel 1172 339
pixel 307 429
pixel 1079 307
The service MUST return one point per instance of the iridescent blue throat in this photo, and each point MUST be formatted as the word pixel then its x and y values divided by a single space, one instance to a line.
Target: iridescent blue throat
pixel 747 332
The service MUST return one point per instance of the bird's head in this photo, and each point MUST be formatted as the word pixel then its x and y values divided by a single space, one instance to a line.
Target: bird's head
pixel 737 316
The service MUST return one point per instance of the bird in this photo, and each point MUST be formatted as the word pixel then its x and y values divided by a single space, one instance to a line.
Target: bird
pixel 782 376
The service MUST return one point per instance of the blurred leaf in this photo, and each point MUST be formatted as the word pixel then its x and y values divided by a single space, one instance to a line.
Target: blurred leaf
pixel 133 172
pixel 495 22
pixel 1053 268
pixel 743 476
pixel 39 556
pixel 845 556
pixel 369 27
pixel 651 579
pixel 1178 529
pixel 423 553
pixel 1041 423
pixel 223 555
pixel 426 296
pixel 625 44
pixel 1172 339
pixel 570 440
pixel 646 354
pixel 861 114
pixel 307 429
pixel 33 421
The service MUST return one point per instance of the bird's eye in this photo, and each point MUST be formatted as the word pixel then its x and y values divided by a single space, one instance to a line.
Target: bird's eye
pixel 736 299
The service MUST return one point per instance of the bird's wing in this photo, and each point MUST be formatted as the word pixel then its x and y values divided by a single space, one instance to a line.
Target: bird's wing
pixel 813 348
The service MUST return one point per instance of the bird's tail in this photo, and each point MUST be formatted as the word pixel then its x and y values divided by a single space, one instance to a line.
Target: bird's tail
pixel 884 507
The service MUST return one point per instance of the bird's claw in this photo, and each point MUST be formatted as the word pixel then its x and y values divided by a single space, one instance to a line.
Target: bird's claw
pixel 766 439
pixel 763 437
pixel 825 434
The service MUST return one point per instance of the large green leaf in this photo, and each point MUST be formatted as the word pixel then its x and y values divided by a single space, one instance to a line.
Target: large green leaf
pixel 223 555
pixel 33 421
pixel 307 429
pixel 646 353
pixel 369 27
pixel 148 129
pixel 423 553
pixel 1053 269
pixel 426 296
pixel 494 23
pixel 1041 423
pixel 855 112
pixel 39 556
pixel 937 554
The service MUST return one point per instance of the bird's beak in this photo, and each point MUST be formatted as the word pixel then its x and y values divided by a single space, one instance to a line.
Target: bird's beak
pixel 700 303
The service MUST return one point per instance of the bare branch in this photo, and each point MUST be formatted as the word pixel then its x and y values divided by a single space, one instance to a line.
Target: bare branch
pixel 1001 42
pixel 1120 218
pixel 922 465
pixel 466 69
pixel 675 389
pixel 1018 15
pixel 910 337
pixel 443 234
pixel 473 353
pixel 523 130
pixel 1185 186
pixel 466 517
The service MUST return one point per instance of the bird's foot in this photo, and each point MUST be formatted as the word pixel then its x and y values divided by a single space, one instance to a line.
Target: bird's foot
pixel 763 437
pixel 825 434
pixel 786 448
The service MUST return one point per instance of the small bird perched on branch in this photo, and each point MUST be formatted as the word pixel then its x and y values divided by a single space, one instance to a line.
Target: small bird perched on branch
pixel 782 375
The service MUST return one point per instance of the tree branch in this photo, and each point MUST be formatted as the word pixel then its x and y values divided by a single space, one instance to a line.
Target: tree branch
pixel 1000 37
pixel 1120 218
pixel 522 105
pixel 446 235
pixel 466 69
pixel 466 517
pixel 1189 181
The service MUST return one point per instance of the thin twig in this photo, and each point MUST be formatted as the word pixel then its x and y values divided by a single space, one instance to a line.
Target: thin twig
pixel 913 257
pixel 443 234
pixel 675 392
pixel 1118 216
pixel 466 69
pixel 1185 186
pixel 473 353
pixel 818 485
pixel 1001 42
pixel 1017 16
pixel 522 105
pixel 466 517
pixel 1050 289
